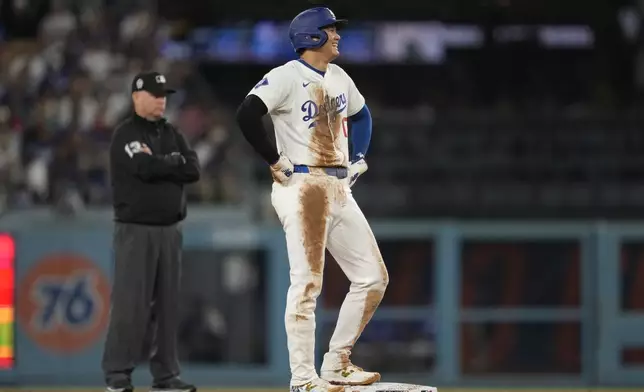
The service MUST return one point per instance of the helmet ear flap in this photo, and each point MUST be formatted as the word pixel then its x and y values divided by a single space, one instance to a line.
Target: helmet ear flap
pixel 321 36
pixel 310 40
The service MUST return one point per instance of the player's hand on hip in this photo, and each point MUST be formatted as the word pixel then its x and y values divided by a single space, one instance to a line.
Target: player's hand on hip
pixel 282 170
pixel 356 169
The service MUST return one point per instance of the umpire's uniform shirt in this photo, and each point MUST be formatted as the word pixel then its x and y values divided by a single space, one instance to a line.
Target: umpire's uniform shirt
pixel 149 203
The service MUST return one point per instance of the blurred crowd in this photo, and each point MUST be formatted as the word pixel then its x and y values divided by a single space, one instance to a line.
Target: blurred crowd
pixel 511 129
pixel 64 88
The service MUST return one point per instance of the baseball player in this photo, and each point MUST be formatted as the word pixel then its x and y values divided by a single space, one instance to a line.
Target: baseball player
pixel 310 102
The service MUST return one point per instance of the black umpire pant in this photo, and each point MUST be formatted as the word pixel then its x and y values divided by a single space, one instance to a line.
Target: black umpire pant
pixel 145 300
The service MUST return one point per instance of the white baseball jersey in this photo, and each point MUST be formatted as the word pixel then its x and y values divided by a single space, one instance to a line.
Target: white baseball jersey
pixel 309 110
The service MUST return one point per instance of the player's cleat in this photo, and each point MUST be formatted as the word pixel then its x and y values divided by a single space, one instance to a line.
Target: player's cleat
pixel 173 386
pixel 317 385
pixel 350 375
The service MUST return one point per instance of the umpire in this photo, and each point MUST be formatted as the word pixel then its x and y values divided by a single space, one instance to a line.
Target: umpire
pixel 150 161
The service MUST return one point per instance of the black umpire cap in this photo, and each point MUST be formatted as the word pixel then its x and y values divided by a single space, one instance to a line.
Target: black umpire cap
pixel 152 82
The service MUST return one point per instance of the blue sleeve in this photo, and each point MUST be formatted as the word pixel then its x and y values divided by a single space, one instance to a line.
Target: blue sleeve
pixel 360 135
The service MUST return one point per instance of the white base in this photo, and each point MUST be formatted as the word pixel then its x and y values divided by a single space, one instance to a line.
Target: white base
pixel 390 387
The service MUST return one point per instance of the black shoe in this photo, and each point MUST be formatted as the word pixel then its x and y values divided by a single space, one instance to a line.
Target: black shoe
pixel 173 386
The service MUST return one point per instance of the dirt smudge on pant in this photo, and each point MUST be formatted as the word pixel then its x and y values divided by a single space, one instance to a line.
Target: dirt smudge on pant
pixel 307 301
pixel 371 303
pixel 314 212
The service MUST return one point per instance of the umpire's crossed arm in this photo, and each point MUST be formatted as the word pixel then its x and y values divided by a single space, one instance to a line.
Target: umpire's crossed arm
pixel 150 163
pixel 138 158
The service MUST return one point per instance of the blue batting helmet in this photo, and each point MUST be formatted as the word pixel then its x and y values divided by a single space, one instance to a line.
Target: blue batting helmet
pixel 306 32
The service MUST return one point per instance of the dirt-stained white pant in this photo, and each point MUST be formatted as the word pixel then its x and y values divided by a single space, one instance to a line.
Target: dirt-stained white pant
pixel 318 211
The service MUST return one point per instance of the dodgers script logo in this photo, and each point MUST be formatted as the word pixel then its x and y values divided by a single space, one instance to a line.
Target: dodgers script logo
pixel 332 106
